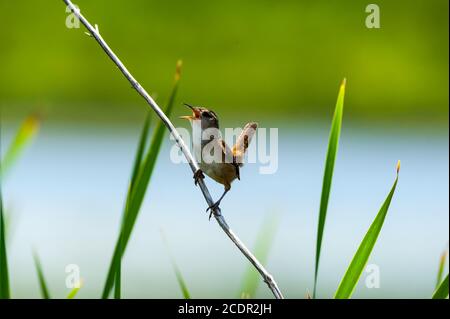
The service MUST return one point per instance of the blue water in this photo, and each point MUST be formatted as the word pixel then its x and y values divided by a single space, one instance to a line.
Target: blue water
pixel 66 195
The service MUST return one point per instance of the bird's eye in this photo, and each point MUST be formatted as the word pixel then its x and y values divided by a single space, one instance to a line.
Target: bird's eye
pixel 207 114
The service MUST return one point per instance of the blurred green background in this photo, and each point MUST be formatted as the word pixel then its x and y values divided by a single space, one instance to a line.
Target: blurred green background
pixel 277 59
pixel 276 62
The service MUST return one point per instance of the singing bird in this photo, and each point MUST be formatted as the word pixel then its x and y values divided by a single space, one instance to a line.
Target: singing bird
pixel 224 164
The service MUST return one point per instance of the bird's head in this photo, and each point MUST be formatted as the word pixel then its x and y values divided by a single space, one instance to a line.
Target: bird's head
pixel 207 118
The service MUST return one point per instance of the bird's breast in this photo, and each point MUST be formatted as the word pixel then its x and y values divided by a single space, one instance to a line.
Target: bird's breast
pixel 223 173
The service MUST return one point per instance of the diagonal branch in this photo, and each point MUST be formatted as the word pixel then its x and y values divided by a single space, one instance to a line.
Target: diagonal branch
pixel 94 32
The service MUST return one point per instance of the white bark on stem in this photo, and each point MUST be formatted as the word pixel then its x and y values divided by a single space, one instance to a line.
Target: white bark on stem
pixel 94 32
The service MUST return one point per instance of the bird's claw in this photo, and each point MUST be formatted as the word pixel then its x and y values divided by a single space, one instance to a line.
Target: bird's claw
pixel 212 208
pixel 198 175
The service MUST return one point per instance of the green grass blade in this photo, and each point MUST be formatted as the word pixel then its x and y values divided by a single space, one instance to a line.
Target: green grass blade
pixel 42 282
pixel 442 261
pixel 137 163
pixel 441 291
pixel 333 143
pixel 73 292
pixel 24 135
pixel 178 275
pixel 353 273
pixel 4 275
pixel 264 241
pixel 181 281
pixel 118 279
pixel 143 177
pixel 26 132
pixel 140 151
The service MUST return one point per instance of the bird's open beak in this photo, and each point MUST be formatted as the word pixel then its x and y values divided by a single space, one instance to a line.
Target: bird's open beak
pixel 195 113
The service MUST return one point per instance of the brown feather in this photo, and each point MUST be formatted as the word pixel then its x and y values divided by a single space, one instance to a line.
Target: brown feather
pixel 243 142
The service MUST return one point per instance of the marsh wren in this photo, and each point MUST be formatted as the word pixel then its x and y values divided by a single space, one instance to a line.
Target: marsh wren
pixel 217 160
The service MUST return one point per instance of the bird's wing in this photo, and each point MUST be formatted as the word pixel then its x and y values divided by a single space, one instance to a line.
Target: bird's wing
pixel 243 142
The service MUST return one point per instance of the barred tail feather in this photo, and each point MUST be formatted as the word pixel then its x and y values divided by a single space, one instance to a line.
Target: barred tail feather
pixel 244 141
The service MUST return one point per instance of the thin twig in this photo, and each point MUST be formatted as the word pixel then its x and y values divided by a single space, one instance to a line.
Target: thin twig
pixel 94 32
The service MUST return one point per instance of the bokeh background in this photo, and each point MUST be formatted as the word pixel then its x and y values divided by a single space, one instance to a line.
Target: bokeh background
pixel 276 62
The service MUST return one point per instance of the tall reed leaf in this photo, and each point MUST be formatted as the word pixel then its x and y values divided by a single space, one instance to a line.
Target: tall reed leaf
pixel 442 261
pixel 42 282
pixel 333 143
pixel 24 135
pixel 26 132
pixel 140 152
pixel 134 173
pixel 442 290
pixel 137 193
pixel 118 276
pixel 178 275
pixel 4 276
pixel 263 243
pixel 351 277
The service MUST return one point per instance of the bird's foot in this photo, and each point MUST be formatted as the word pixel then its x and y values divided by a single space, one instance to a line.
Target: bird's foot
pixel 214 207
pixel 197 176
